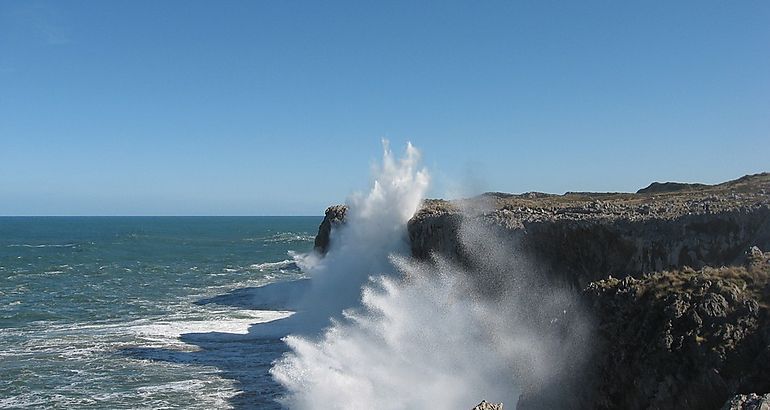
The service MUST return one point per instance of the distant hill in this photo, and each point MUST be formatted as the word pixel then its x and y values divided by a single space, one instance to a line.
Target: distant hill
pixel 660 187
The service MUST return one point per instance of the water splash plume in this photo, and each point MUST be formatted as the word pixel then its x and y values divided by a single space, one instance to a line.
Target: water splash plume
pixel 427 334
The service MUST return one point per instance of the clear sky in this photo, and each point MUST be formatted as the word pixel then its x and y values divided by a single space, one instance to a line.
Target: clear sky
pixel 278 107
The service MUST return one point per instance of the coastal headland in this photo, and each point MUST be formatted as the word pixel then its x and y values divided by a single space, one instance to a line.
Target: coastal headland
pixel 675 277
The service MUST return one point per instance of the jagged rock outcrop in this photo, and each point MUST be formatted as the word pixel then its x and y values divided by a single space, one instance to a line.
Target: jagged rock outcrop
pixel 682 339
pixel 748 402
pixel 485 405
pixel 334 216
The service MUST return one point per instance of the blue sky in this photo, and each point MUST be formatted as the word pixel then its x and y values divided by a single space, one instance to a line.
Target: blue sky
pixel 268 107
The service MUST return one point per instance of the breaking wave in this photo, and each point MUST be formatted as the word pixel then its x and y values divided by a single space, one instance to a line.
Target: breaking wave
pixel 284 264
pixel 53 245
pixel 283 237
pixel 408 334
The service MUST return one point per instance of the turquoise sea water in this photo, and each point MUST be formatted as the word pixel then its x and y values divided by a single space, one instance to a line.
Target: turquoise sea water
pixel 113 312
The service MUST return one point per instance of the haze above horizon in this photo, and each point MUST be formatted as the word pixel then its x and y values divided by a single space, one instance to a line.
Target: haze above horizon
pixel 278 108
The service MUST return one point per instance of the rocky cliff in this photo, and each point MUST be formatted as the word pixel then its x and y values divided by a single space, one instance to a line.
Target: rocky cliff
pixel 681 308
pixel 583 237
pixel 682 339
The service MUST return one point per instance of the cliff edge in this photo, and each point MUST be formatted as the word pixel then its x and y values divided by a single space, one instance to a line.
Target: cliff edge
pixel 584 237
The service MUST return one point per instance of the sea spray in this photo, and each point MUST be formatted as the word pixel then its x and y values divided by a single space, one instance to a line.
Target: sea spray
pixel 431 334
pixel 416 343
pixel 375 229
pixel 543 331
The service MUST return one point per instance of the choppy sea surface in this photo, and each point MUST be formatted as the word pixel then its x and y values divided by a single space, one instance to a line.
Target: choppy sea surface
pixel 133 312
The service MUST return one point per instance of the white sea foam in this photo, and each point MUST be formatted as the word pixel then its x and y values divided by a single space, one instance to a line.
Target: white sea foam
pixel 26 245
pixel 286 263
pixel 104 357
pixel 182 385
pixel 283 237
pixel 222 324
pixel 23 401
pixel 289 237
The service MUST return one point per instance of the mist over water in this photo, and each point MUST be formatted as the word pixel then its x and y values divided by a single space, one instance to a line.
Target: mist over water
pixel 427 334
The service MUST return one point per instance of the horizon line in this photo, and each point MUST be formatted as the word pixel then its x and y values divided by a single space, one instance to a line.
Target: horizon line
pixel 159 216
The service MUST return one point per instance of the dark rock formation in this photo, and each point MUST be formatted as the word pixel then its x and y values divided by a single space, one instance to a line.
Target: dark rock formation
pixel 335 215
pixel 682 339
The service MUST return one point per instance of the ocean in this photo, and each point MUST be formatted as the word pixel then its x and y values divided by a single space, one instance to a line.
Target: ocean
pixel 142 312
pixel 238 312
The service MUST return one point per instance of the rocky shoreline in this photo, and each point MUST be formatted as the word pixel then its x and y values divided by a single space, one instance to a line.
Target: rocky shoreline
pixel 674 276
